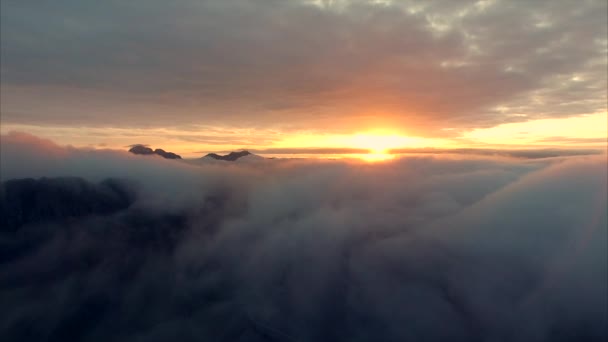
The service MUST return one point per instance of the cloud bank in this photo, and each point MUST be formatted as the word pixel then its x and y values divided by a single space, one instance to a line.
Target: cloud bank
pixel 432 248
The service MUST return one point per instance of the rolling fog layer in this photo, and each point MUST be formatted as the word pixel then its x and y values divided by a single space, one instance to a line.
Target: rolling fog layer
pixel 113 246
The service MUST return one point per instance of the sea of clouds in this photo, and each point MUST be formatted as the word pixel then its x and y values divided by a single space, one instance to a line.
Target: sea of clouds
pixel 111 246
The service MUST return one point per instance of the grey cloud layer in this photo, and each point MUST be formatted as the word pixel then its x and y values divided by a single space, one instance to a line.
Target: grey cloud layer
pixel 421 248
pixel 427 64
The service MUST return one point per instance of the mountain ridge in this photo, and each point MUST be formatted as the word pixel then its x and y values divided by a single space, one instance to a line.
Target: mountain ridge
pixel 232 156
pixel 144 150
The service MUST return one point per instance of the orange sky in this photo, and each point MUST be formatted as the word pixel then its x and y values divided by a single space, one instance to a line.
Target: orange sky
pixel 289 76
pixel 580 132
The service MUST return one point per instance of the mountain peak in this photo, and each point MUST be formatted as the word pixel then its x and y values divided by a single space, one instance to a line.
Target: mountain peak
pixel 144 150
pixel 232 156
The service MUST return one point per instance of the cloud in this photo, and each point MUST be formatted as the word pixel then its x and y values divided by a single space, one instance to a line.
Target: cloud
pixel 435 248
pixel 312 150
pixel 343 66
pixel 28 200
pixel 563 140
pixel 519 153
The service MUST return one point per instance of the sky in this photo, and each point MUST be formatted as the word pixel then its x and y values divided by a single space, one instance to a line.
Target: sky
pixel 295 76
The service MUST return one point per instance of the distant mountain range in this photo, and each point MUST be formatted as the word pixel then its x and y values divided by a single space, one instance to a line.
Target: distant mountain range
pixel 141 149
pixel 232 156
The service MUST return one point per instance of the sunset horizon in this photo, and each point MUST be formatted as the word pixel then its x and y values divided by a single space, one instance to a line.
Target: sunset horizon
pixel 307 74
pixel 304 170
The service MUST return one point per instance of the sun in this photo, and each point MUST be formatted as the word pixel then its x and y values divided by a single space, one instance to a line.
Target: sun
pixel 378 144
pixel 371 145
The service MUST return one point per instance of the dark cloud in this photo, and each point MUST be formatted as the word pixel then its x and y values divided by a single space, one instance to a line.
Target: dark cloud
pixel 339 66
pixel 431 248
pixel 28 200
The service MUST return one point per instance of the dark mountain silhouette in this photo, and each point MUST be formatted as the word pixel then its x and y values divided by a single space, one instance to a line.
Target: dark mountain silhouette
pixel 232 156
pixel 168 155
pixel 141 149
pixel 24 201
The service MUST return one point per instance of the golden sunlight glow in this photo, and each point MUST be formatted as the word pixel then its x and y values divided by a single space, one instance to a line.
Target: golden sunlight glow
pixel 378 143
pixel 588 131
pixel 545 131
pixel 376 157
